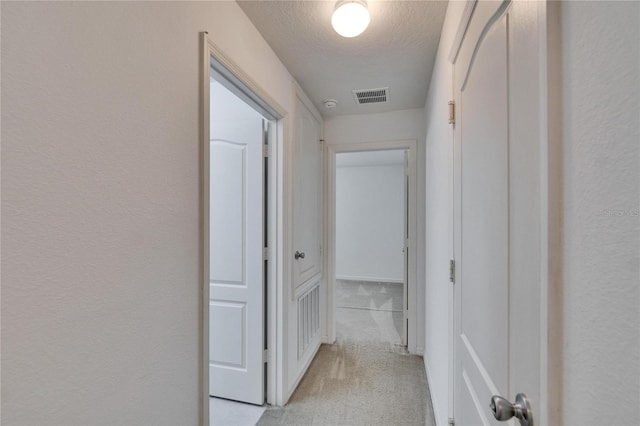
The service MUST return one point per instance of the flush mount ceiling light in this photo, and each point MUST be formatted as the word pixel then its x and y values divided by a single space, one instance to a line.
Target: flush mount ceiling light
pixel 350 18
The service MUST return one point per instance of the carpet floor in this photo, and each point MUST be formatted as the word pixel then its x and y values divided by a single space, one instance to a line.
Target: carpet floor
pixel 368 312
pixel 365 378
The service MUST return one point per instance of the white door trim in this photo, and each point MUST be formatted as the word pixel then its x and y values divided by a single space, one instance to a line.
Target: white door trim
pixel 275 277
pixel 551 187
pixel 550 104
pixel 330 235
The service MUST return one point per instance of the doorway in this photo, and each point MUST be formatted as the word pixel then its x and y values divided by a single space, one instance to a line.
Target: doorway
pixel 372 268
pixel 371 232
pixel 241 153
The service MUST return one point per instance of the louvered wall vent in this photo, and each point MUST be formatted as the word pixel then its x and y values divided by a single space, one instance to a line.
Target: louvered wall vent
pixel 371 96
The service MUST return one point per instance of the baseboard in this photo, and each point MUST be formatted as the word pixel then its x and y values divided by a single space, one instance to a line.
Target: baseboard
pixel 434 406
pixel 372 279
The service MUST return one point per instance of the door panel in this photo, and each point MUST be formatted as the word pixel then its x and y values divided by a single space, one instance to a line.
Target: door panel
pixel 236 289
pixel 230 343
pixel 227 254
pixel 489 221
pixel 307 187
pixel 484 304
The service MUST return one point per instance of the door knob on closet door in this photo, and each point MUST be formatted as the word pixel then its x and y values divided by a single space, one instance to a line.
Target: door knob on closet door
pixel 503 410
pixel 299 255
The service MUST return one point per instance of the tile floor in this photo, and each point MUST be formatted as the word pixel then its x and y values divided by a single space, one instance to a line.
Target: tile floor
pixel 223 412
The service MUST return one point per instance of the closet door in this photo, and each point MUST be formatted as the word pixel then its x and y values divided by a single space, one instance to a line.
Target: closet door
pixel 307 197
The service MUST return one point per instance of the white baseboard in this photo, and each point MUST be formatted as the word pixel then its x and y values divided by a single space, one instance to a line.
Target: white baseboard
pixel 434 406
pixel 373 279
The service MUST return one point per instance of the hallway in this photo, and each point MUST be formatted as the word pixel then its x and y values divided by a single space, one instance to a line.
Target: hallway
pixel 522 257
pixel 367 377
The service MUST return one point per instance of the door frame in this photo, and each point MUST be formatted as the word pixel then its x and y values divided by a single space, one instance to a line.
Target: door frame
pixel 550 211
pixel 253 93
pixel 330 172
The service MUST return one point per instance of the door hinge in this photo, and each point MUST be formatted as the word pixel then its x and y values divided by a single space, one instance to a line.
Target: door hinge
pixel 265 356
pixel 266 151
pixel 265 253
pixel 452 422
pixel 452 112
pixel 452 271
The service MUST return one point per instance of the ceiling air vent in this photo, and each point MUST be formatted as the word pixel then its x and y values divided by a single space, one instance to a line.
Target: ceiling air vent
pixel 371 96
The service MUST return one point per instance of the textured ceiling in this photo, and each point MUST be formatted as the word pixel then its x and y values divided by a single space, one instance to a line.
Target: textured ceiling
pixel 397 50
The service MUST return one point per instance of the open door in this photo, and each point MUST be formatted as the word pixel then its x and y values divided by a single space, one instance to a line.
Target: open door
pixel 236 289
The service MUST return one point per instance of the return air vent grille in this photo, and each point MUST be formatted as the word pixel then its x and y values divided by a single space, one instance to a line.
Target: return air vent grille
pixel 371 96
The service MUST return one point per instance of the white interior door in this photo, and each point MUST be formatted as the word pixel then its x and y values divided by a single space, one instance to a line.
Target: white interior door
pixel 236 316
pixel 497 211
pixel 307 196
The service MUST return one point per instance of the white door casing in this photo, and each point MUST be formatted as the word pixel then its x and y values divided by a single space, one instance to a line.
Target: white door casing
pixel 236 307
pixel 405 250
pixel 214 60
pixel 411 271
pixel 499 209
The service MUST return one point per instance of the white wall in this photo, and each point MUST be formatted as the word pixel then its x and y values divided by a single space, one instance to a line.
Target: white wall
pixel 369 222
pixel 100 205
pixel 389 126
pixel 439 243
pixel 601 91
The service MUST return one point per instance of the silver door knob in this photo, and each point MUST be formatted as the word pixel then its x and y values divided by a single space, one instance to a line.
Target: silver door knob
pixel 299 255
pixel 503 410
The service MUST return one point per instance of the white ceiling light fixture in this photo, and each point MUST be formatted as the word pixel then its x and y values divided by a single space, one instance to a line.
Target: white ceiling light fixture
pixel 350 18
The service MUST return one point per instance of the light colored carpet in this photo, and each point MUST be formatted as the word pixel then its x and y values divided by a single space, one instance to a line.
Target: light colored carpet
pixel 366 378
pixel 369 295
pixel 351 384
pixel 363 325
pixel 368 312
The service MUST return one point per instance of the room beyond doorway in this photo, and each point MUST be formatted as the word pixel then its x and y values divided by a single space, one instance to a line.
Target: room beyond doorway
pixel 371 231
pixel 369 311
pixel 371 255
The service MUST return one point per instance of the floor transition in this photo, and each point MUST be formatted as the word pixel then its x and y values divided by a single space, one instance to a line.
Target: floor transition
pixel 366 378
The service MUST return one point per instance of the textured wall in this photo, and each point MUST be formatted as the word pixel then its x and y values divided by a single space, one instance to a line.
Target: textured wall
pixel 100 211
pixel 601 79
pixel 389 126
pixel 370 222
pixel 439 245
